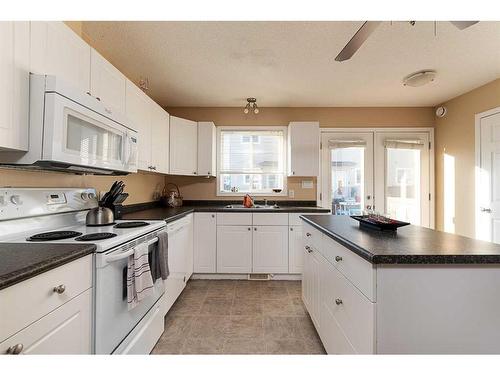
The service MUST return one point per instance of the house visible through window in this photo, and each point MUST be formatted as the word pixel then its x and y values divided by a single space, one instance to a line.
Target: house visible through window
pixel 251 161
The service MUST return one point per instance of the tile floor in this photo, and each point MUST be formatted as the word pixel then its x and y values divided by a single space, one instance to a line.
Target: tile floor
pixel 239 317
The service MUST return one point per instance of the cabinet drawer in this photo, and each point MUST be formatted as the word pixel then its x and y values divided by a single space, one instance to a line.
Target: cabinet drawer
pixel 294 219
pixel 312 237
pixel 23 303
pixel 270 219
pixel 234 218
pixel 66 330
pixel 331 334
pixel 359 271
pixel 354 313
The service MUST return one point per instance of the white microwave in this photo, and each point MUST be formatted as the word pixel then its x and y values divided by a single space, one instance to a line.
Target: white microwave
pixel 74 132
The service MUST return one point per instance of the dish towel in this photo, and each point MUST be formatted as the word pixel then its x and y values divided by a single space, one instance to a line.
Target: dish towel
pixel 163 254
pixel 139 280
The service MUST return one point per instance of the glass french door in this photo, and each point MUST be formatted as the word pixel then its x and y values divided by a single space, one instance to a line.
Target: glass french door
pixel 347 170
pixel 379 171
pixel 402 190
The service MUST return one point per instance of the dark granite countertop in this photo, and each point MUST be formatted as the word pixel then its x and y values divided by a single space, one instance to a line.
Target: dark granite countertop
pixel 170 214
pixel 409 245
pixel 20 261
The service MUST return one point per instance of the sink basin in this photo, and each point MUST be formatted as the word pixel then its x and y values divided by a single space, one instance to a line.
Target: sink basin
pixel 240 206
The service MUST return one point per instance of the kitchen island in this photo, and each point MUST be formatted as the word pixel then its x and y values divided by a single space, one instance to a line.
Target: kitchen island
pixel 414 291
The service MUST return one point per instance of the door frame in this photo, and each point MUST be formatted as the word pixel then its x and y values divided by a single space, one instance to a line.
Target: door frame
pixel 375 130
pixel 477 164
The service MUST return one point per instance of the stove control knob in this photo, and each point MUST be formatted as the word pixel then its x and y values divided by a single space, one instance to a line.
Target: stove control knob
pixel 92 196
pixel 16 199
pixel 84 196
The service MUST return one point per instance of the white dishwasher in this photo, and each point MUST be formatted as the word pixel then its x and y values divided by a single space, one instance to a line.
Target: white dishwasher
pixel 180 258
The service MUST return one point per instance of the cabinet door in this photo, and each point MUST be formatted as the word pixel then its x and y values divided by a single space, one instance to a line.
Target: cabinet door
pixel 57 50
pixel 306 278
pixel 206 148
pixel 270 249
pixel 303 149
pixel 295 249
pixel 107 83
pixel 66 330
pixel 315 269
pixel 14 91
pixel 160 129
pixel 234 249
pixel 183 146
pixel 138 110
pixel 205 242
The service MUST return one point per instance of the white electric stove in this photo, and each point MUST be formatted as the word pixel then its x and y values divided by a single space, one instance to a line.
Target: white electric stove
pixel 53 215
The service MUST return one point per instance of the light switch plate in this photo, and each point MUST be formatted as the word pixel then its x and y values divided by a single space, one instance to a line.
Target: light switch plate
pixel 307 184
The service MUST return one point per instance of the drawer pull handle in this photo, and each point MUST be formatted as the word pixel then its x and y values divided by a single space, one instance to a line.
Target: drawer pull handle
pixel 309 250
pixel 338 258
pixel 60 289
pixel 338 301
pixel 308 234
pixel 15 349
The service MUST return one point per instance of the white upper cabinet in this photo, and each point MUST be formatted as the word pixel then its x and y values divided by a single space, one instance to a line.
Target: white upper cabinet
pixel 57 50
pixel 160 129
pixel 14 91
pixel 183 146
pixel 207 148
pixel 138 111
pixel 303 149
pixel 107 83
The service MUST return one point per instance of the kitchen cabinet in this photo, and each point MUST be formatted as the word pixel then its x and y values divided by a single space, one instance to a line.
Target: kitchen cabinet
pixel 107 83
pixel 183 146
pixel 303 149
pixel 56 50
pixel 205 242
pixel 14 92
pixel 234 249
pixel 311 283
pixel 207 148
pixel 160 133
pixel 270 249
pixel 49 320
pixel 295 249
pixel 138 111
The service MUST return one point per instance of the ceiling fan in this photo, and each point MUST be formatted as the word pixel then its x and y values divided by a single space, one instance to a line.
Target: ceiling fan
pixel 369 27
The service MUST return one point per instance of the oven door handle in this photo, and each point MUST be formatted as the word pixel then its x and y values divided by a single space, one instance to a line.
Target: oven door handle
pixel 125 254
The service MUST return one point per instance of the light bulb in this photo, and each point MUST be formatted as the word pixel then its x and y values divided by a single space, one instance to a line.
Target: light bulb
pixel 245 111
pixel 256 110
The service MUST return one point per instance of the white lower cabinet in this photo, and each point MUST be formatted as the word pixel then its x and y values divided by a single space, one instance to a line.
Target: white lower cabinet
pixel 270 249
pixel 66 330
pixel 311 281
pixel 234 249
pixel 205 242
pixel 295 249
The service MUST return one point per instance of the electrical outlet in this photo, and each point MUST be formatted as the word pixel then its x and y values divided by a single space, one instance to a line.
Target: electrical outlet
pixel 291 193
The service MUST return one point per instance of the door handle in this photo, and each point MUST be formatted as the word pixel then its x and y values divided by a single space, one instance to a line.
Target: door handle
pixel 487 210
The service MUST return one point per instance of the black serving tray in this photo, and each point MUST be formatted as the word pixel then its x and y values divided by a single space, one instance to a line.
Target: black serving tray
pixel 366 221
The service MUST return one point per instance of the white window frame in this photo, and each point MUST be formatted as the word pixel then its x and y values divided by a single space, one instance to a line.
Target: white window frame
pixel 284 129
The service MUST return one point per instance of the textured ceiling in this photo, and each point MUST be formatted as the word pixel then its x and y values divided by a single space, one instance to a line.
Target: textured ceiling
pixel 291 64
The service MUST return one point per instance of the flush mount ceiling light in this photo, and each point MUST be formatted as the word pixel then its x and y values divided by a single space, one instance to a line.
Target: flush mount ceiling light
pixel 420 78
pixel 251 106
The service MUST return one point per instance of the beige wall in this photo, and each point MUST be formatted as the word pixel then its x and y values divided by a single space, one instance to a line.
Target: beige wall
pixel 203 188
pixel 455 136
pixel 141 186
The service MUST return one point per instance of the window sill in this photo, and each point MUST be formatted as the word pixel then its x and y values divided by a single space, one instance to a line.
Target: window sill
pixel 267 195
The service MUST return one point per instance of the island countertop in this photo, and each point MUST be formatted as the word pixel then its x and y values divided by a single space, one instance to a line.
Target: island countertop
pixel 409 245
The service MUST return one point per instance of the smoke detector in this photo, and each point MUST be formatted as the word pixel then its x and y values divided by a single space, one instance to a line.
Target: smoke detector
pixel 420 78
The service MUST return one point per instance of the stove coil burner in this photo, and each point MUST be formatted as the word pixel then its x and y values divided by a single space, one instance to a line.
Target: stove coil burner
pixel 95 236
pixel 131 224
pixel 52 236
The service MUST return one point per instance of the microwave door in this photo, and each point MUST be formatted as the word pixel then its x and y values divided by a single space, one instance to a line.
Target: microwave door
pixel 73 134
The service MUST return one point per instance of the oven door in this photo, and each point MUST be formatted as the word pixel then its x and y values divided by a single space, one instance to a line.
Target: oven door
pixel 113 321
pixel 74 134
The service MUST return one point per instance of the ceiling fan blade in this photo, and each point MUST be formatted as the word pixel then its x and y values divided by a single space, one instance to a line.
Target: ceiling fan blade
pixel 463 24
pixel 357 40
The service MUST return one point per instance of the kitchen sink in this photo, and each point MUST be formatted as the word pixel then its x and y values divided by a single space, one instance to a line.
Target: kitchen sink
pixel 257 206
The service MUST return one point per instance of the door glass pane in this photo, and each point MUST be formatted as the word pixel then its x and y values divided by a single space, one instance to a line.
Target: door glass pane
pixel 347 180
pixel 402 184
pixel 92 141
